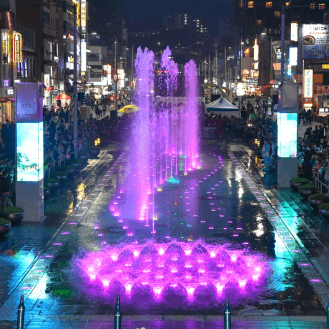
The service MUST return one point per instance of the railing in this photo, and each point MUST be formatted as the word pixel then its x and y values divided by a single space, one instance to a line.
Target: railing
pixel 319 184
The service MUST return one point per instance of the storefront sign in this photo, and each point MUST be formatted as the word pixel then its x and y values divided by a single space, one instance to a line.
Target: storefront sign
pixel 5 48
pixel 83 55
pixel 308 83
pixel 251 82
pixel 83 15
pixel 17 47
pixel 46 80
pixel 293 56
pixel 325 66
pixel 256 51
pixel 10 91
pixel 316 41
pixel 294 32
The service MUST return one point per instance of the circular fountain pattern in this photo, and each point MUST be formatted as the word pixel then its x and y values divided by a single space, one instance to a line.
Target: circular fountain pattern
pixel 190 272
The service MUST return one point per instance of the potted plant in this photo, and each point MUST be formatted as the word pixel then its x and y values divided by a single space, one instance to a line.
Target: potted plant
pixel 14 214
pixel 5 226
pixel 316 200
pixel 324 210
pixel 51 182
pixel 295 183
pixel 59 174
pixel 307 190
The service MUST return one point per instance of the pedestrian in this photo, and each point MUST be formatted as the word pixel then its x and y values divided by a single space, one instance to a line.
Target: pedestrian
pixel 5 189
pixel 266 154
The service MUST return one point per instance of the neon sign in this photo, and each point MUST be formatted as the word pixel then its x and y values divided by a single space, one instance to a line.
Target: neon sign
pixel 17 47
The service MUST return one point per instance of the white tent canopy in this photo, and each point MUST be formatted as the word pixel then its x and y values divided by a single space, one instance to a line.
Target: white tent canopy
pixel 223 107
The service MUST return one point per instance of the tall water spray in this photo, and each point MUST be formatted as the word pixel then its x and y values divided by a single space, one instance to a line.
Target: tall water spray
pixel 165 133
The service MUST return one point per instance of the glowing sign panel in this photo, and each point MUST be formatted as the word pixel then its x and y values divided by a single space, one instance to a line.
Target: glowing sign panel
pixel 308 83
pixel 29 152
pixel 83 15
pixel 293 56
pixel 17 47
pixel 287 135
pixel 294 32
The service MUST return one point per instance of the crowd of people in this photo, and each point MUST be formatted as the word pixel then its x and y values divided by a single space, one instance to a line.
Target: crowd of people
pixel 313 155
pixel 254 125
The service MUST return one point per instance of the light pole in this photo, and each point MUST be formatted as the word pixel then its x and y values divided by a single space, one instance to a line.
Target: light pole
pixel 75 84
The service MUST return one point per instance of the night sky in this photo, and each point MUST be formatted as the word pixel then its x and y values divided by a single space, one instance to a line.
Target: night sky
pixel 146 15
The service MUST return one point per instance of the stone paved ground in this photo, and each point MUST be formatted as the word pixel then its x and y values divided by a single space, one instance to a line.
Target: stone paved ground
pixel 200 323
pixel 38 319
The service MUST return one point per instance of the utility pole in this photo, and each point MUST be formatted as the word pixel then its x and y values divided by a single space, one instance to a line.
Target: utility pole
pixel 282 42
pixel 225 56
pixel 209 70
pixel 75 125
pixel 132 65
pixel 116 73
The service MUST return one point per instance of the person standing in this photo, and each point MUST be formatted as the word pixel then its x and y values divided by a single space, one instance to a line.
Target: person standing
pixel 5 189
pixel 266 154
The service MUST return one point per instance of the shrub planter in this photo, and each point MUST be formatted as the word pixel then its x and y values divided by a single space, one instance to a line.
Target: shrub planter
pixel 324 211
pixel 295 183
pixel 316 200
pixel 307 190
pixel 14 214
pixel 5 226
pixel 51 182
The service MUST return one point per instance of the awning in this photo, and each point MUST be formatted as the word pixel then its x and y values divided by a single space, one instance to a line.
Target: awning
pixel 63 97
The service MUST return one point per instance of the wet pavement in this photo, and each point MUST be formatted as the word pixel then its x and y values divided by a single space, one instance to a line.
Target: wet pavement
pixel 277 226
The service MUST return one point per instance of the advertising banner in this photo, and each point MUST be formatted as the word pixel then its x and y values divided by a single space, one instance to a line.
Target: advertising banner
pixel 316 41
pixel 83 55
pixel 83 15
pixel 29 152
pixel 308 83
pixel 294 32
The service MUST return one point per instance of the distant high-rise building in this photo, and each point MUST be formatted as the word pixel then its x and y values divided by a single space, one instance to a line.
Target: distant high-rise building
pixel 256 15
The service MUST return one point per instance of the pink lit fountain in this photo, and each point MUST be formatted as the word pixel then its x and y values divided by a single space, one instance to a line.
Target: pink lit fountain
pixel 174 275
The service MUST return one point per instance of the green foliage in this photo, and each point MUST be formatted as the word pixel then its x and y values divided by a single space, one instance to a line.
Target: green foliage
pixel 4 221
pixel 13 210
pixel 299 180
pixel 307 187
pixel 319 197
pixel 324 206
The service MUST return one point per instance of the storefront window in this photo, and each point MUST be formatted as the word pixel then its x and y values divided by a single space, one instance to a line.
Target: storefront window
pixel 6 113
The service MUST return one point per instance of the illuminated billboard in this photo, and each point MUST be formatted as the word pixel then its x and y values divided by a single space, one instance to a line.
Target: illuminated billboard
pixel 293 56
pixel 83 15
pixel 315 41
pixel 294 32
pixel 308 83
pixel 29 152
pixel 287 135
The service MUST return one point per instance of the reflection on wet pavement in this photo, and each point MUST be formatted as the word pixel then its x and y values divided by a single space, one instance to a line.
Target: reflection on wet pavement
pixel 230 209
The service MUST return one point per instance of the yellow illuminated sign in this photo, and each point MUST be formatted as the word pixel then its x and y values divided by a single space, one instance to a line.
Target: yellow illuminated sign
pixel 325 66
pixel 17 47
pixel 83 15
pixel 5 47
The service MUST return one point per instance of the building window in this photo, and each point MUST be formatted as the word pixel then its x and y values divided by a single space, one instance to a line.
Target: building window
pixel 241 3
pixel 312 5
pixel 26 68
pixel 287 4
pixel 322 6
pixel 259 22
pixel 269 4
pixel 250 4
pixel 277 14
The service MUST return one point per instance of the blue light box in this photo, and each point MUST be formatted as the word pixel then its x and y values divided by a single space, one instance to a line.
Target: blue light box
pixel 287 135
pixel 29 152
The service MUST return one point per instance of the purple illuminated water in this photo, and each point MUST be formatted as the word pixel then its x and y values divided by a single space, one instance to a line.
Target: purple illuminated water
pixel 192 272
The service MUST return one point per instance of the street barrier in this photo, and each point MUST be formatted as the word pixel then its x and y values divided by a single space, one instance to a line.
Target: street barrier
pixel 117 315
pixel 227 315
pixel 21 313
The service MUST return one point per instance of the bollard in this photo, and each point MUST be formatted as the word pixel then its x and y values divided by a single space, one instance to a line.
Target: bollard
pixel 20 313
pixel 327 309
pixel 227 316
pixel 117 315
